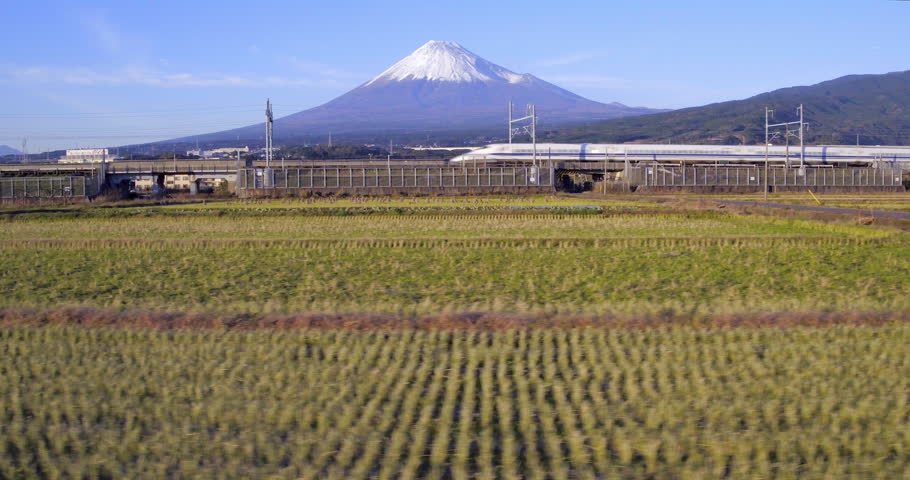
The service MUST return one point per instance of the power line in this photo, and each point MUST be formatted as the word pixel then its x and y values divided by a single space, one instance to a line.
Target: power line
pixel 204 110
pixel 139 112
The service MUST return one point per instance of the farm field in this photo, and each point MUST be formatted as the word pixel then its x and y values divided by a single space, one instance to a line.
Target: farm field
pixel 592 261
pixel 334 204
pixel 449 202
pixel 447 225
pixel 423 277
pixel 864 201
pixel 483 338
pixel 595 403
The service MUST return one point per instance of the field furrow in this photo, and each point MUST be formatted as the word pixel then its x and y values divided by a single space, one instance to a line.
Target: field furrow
pixel 803 401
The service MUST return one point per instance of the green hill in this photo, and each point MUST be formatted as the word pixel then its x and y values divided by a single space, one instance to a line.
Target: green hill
pixel 877 107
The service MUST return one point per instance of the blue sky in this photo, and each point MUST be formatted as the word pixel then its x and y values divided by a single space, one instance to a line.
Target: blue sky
pixel 108 73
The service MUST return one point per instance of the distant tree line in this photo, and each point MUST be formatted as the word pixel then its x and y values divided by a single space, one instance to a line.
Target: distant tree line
pixel 160 156
pixel 325 152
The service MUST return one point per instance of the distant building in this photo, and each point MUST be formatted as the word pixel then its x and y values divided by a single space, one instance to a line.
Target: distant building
pixel 218 152
pixel 171 182
pixel 177 182
pixel 144 184
pixel 87 155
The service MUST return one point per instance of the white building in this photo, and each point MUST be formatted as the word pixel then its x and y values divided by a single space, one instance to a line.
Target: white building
pixel 178 182
pixel 218 152
pixel 86 155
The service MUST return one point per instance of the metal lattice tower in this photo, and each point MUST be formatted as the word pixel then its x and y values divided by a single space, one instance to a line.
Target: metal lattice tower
pixel 268 133
pixel 786 125
pixel 802 146
pixel 530 128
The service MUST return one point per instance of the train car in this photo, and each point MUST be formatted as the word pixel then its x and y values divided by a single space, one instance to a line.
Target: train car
pixel 737 154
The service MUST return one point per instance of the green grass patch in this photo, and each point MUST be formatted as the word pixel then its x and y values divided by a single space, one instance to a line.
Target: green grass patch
pixel 594 261
pixel 430 276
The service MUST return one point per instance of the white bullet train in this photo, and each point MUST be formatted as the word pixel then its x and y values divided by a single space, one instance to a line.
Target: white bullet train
pixel 637 153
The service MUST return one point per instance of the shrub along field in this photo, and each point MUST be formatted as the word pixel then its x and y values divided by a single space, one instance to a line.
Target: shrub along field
pixel 592 399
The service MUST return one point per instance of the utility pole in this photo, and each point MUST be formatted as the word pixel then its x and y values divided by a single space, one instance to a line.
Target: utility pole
pixel 533 113
pixel 768 113
pixel 268 134
pixel 510 122
pixel 389 164
pixel 787 152
pixel 802 145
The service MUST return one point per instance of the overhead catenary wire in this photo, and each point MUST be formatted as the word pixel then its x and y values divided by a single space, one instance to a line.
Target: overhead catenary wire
pixel 158 112
pixel 192 121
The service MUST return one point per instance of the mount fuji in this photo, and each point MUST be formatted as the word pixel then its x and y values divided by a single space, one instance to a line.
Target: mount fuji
pixel 440 86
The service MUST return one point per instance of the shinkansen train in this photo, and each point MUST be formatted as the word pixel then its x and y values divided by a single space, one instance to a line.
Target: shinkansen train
pixel 639 153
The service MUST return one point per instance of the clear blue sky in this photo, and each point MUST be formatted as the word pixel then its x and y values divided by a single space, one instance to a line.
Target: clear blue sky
pixel 82 73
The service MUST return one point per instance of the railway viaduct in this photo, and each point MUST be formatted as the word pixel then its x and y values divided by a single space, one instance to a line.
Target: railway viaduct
pixel 427 176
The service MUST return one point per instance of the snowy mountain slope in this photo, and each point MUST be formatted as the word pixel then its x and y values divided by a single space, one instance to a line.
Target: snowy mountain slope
pixel 440 86
pixel 446 62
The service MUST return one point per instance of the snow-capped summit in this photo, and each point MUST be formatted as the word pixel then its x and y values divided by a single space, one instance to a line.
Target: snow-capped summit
pixel 441 86
pixel 446 62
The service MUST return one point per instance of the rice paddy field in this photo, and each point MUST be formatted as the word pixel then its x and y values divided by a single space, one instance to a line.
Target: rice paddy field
pixel 863 201
pixel 625 347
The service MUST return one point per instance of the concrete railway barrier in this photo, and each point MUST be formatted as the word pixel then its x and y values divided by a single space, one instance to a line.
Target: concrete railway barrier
pixel 397 179
pixel 437 177
pixel 752 178
pixel 47 187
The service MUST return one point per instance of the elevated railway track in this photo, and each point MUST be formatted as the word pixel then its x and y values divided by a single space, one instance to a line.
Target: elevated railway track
pixel 377 176
pixel 189 167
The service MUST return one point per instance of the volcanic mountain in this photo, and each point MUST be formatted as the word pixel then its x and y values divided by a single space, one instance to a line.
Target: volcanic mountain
pixel 441 86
